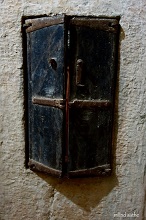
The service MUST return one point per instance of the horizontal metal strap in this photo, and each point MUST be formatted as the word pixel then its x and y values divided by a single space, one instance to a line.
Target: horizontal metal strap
pixel 89 103
pixel 103 170
pixel 106 24
pixel 60 103
pixel 37 23
pixel 57 103
pixel 36 166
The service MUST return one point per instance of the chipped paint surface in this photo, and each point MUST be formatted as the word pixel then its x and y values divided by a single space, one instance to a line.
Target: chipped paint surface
pixel 26 195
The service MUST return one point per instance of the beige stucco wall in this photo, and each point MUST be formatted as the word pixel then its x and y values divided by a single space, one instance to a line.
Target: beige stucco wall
pixel 26 195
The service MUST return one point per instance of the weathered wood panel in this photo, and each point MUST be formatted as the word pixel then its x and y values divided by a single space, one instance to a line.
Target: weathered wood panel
pixel 93 45
pixel 45 49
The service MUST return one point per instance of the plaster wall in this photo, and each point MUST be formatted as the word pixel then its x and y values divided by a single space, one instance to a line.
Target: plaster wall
pixel 27 195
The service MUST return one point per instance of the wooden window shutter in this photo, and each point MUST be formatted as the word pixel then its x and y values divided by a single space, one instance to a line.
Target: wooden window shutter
pixel 71 68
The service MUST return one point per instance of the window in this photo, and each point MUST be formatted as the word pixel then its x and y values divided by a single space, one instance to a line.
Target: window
pixel 71 69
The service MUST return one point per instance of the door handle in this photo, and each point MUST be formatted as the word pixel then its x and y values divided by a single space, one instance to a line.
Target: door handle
pixel 79 72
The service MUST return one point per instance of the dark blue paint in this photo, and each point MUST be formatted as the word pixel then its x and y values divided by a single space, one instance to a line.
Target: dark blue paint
pixel 47 43
pixel 46 123
pixel 47 133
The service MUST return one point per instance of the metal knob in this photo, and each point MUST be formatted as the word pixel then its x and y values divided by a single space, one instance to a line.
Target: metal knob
pixel 79 68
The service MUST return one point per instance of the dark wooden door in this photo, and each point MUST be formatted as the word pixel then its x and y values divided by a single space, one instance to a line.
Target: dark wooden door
pixel 45 58
pixel 93 44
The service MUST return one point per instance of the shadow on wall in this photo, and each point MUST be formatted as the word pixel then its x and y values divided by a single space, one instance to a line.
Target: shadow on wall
pixel 85 192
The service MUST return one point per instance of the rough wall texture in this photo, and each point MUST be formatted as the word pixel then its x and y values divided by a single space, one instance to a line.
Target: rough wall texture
pixel 26 195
